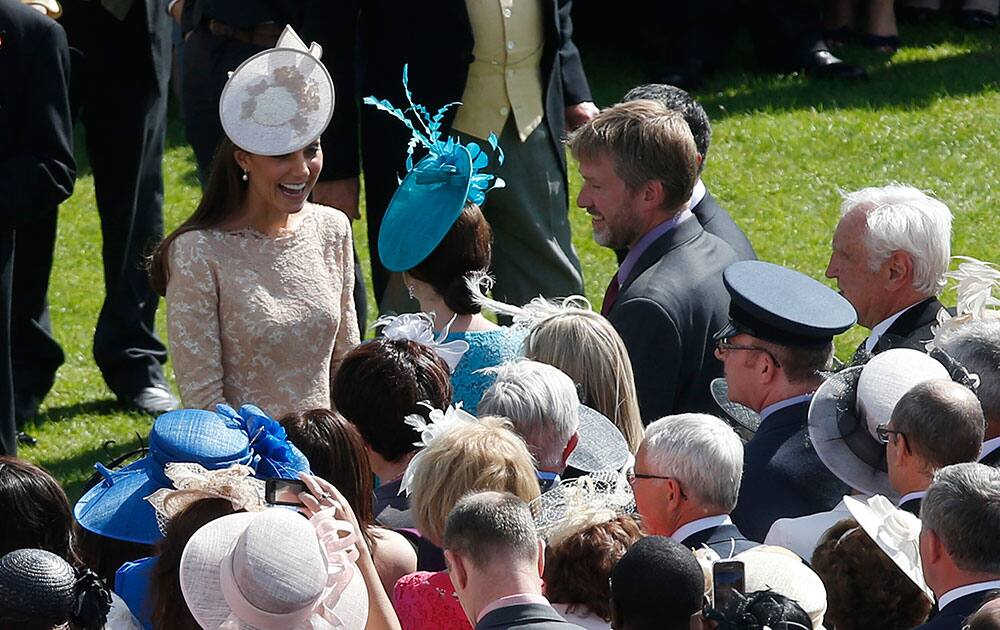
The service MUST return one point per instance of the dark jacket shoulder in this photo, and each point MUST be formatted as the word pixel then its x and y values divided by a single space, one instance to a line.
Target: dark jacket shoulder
pixel 528 616
pixel 716 220
pixel 725 540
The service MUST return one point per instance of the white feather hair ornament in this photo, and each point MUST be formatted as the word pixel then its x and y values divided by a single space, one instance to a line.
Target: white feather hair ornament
pixel 529 315
pixel 976 282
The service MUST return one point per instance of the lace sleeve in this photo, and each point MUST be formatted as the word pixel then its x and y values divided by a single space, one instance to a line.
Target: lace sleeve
pixel 193 322
pixel 348 335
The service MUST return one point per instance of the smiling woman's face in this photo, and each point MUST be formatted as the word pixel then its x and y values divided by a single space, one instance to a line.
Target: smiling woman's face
pixel 282 182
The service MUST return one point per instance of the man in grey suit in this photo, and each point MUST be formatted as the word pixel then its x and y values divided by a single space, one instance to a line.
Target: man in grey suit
pixel 495 561
pixel 639 164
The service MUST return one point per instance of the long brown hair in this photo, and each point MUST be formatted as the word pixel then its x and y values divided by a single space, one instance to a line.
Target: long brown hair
pixel 223 195
pixel 336 452
pixel 167 602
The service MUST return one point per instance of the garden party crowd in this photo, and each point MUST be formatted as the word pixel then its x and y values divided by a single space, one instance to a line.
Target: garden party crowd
pixel 498 453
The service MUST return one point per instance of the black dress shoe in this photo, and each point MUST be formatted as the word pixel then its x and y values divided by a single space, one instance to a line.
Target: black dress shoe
pixel 825 64
pixel 154 400
pixel 972 20
pixel 27 440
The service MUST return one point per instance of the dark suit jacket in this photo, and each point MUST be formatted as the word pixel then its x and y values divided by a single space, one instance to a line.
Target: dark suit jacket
pixel 725 540
pixel 783 476
pixel 952 616
pixel 912 506
pixel 37 169
pixel 992 459
pixel 717 221
pixel 666 312
pixel 530 616
pixel 912 329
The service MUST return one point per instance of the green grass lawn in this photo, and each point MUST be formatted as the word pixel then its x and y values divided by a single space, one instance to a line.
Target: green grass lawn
pixel 782 148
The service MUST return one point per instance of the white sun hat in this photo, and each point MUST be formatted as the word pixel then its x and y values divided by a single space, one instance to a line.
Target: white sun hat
pixel 280 100
pixel 895 531
pixel 274 570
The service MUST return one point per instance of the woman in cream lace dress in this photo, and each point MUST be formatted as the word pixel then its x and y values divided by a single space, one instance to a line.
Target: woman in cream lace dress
pixel 259 281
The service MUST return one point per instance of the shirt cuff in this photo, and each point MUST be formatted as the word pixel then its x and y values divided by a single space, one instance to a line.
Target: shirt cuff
pixel 170 6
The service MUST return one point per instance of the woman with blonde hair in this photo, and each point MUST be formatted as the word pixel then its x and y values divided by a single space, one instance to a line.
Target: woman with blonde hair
pixel 460 455
pixel 585 346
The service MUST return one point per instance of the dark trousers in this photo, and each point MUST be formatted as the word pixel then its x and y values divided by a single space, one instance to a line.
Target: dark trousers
pixel 115 94
pixel 8 432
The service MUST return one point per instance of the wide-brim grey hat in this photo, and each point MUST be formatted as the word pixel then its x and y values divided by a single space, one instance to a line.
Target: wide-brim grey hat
pixel 744 419
pixel 601 445
pixel 279 100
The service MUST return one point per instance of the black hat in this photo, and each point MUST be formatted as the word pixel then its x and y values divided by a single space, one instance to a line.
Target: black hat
pixel 778 304
pixel 37 583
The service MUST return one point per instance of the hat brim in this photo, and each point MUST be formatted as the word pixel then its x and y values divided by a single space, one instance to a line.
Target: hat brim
pixel 601 445
pixel 908 561
pixel 420 213
pixel 833 421
pixel 117 507
pixel 251 134
pixel 200 565
pixel 742 417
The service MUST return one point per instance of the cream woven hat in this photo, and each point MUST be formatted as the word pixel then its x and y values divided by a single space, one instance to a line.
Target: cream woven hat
pixel 274 570
pixel 279 100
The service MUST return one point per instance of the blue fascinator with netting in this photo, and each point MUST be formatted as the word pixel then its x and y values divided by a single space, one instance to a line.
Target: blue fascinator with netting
pixel 432 195
pixel 117 507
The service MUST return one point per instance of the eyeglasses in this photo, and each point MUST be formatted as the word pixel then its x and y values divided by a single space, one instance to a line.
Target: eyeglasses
pixel 633 476
pixel 723 345
pixel 882 432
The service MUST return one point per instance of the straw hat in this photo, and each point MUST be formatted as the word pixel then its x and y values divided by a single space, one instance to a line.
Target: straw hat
pixel 274 570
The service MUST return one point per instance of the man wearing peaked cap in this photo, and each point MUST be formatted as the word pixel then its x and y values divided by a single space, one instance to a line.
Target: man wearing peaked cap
pixel 774 350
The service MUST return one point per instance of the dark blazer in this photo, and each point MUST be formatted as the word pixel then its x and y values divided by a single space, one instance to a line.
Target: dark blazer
pixel 666 312
pixel 911 330
pixel 912 506
pixel 783 476
pixel 992 459
pixel 533 616
pixel 717 221
pixel 725 540
pixel 952 616
pixel 37 169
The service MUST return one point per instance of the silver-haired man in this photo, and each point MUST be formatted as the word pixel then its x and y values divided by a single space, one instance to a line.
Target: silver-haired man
pixel 687 479
pixel 959 548
pixel 542 403
pixel 976 346
pixel 890 252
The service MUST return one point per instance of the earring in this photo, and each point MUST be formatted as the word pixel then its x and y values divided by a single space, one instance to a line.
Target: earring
pixel 409 290
pixel 246 176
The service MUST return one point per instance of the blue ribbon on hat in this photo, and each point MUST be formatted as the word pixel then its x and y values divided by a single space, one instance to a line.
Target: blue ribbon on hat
pixel 273 454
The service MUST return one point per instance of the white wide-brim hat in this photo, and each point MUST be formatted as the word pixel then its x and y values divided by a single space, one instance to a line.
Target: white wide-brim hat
pixel 777 569
pixel 849 405
pixel 278 101
pixel 895 531
pixel 273 570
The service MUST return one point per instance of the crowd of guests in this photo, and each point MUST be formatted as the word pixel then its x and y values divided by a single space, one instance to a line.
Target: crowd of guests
pixel 692 456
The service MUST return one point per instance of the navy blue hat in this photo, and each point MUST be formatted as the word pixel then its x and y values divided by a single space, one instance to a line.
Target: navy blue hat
pixel 116 507
pixel 777 304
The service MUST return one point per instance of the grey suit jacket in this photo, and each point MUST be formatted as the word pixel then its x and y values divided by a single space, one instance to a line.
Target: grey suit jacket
pixel 717 221
pixel 528 616
pixel 666 312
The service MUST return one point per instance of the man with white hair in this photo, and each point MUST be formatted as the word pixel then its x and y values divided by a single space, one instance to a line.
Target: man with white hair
pixel 890 252
pixel 686 481
pixel 959 547
pixel 976 346
pixel 544 407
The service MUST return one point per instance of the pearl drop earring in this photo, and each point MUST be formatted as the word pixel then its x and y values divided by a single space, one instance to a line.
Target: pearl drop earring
pixel 246 176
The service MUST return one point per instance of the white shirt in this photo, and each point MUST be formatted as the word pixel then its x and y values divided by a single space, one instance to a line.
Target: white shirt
pixel 883 326
pixel 689 529
pixel 968 589
pixel 919 494
pixel 697 194
pixel 781 404
pixel 988 447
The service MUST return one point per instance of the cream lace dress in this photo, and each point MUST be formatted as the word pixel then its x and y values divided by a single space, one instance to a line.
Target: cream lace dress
pixel 259 319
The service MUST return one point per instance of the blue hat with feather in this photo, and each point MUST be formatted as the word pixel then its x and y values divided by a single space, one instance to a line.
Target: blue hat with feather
pixel 116 507
pixel 432 195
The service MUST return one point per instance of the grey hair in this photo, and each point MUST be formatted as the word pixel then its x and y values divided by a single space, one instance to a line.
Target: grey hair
pixel 903 218
pixel 962 506
pixel 942 421
pixel 702 453
pixel 485 526
pixel 541 402
pixel 976 345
